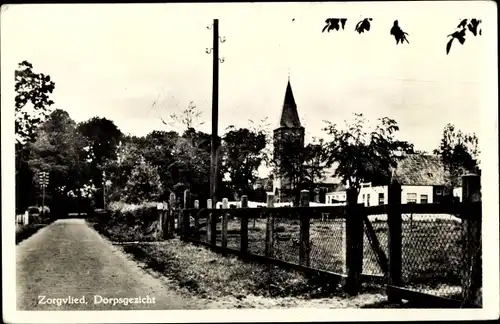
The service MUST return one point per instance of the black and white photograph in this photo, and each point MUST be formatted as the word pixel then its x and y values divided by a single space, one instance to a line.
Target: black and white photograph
pixel 249 161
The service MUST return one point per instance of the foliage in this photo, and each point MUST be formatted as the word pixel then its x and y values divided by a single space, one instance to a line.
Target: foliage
pixel 398 33
pixel 316 160
pixel 102 138
pixel 57 150
pixel 143 184
pixel 334 24
pixel 191 166
pixel 363 25
pixel 242 156
pixel 31 88
pixel 32 104
pixel 188 118
pixel 361 156
pixel 460 34
pixel 459 153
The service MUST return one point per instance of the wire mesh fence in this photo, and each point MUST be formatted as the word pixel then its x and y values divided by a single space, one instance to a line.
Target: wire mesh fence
pixel 286 237
pixel 257 234
pixel 432 254
pixel 327 236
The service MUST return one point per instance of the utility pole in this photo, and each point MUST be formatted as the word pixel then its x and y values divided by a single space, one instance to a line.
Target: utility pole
pixel 44 182
pixel 214 170
pixel 103 190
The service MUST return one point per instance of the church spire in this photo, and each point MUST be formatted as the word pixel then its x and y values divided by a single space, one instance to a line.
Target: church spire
pixel 289 115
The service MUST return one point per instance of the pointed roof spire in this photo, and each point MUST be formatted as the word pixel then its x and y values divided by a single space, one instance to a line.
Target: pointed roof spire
pixel 289 115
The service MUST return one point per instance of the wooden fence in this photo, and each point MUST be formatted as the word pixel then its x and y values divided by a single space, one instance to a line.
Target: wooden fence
pixel 200 226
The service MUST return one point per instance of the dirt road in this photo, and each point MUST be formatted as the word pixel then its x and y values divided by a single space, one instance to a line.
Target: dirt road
pixel 69 266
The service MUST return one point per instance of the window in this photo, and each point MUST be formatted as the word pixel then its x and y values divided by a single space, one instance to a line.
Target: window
pixel 424 199
pixel 364 200
pixel 368 200
pixel 411 198
pixel 381 198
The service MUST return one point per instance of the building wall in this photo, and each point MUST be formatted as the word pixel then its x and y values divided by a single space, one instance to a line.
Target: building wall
pixel 419 190
pixel 369 196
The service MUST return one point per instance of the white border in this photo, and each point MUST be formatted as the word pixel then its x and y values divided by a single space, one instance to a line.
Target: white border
pixel 490 189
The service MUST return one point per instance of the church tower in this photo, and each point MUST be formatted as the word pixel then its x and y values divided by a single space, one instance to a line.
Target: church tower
pixel 289 130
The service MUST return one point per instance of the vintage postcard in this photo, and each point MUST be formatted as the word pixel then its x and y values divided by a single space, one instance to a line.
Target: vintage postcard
pixel 246 162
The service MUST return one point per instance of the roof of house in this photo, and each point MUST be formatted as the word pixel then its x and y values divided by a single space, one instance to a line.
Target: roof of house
pixel 420 170
pixel 289 114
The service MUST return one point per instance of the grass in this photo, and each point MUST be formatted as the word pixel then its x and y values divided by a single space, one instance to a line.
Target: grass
pixel 431 252
pixel 210 275
pixel 431 248
pixel 25 231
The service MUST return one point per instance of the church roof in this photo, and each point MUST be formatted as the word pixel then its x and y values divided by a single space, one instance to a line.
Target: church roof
pixel 289 114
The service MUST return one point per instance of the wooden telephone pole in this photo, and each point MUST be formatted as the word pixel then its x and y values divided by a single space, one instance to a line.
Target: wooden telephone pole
pixel 214 170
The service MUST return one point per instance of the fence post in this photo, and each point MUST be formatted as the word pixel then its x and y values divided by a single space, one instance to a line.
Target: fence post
pixel 159 211
pixel 354 243
pixel 171 215
pixel 304 259
pixel 225 205
pixel 196 219
pixel 164 215
pixel 269 226
pixel 471 238
pixel 244 225
pixel 394 223
pixel 208 225
pixel 186 214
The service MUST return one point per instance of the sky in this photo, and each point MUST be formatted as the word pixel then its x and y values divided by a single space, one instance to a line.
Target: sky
pixel 116 60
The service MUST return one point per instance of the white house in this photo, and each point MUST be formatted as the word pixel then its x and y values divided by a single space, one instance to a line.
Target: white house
pixel 422 179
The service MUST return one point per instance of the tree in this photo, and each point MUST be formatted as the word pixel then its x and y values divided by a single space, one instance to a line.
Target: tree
pixel 32 88
pixel 459 153
pixel 191 165
pixel 58 150
pixel 365 156
pixel 129 154
pixel 188 118
pixel 102 137
pixel 32 104
pixel 316 160
pixel 242 156
pixel 143 184
pixel 158 150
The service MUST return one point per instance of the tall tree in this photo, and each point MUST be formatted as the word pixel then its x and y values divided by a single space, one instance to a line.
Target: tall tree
pixel 316 161
pixel 58 150
pixel 32 101
pixel 32 105
pixel 143 184
pixel 102 137
pixel 459 152
pixel 242 156
pixel 364 155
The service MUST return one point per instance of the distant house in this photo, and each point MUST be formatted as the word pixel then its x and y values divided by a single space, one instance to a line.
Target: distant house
pixel 337 195
pixel 422 179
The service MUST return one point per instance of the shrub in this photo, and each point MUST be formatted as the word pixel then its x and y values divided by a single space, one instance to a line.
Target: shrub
pixel 129 222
